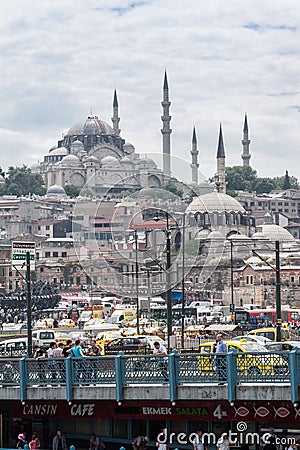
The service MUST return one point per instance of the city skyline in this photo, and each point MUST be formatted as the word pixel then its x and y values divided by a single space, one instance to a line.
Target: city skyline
pixel 59 61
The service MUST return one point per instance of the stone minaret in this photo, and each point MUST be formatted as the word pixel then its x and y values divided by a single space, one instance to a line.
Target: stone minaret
pixel 115 118
pixel 221 164
pixel 194 153
pixel 166 130
pixel 246 142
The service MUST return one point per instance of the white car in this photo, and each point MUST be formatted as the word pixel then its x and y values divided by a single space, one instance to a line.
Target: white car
pixel 252 338
pixel 148 339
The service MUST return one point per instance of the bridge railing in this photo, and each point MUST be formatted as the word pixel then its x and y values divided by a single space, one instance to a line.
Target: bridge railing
pixel 174 369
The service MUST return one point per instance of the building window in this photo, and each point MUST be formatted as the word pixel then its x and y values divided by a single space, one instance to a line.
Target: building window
pixel 292 279
pixel 78 281
pixel 64 254
pixel 42 269
pixel 47 227
pixel 47 254
pixel 55 254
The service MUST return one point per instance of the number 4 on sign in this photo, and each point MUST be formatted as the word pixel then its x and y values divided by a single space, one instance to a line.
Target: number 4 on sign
pixel 218 413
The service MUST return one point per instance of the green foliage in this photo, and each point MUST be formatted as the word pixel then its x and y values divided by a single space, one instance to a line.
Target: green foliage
pixel 244 178
pixel 72 191
pixel 171 187
pixel 21 181
pixel 87 192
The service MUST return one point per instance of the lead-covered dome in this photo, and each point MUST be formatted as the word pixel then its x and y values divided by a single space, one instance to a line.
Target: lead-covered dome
pixel 70 160
pixel 215 202
pixel 55 190
pixel 91 126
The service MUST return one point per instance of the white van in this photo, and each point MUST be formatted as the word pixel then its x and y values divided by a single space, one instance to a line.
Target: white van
pixel 43 337
pixel 14 347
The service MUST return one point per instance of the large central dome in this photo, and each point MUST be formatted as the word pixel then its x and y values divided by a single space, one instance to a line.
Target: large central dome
pixel 91 126
pixel 215 202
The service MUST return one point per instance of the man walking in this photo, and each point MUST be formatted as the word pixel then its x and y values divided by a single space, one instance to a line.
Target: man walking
pixel 160 349
pixel 220 359
pixel 198 441
pixel 59 441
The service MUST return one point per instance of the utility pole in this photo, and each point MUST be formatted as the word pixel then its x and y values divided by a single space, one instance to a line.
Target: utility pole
pixel 278 293
pixel 182 282
pixel 168 280
pixel 137 283
pixel 28 299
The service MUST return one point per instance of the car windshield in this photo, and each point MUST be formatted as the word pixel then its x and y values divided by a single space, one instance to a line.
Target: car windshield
pixel 253 347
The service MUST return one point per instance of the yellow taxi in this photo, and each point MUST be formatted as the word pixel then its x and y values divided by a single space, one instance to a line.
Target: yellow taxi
pixel 249 364
pixel 271 333
pixel 66 323
pixel 61 337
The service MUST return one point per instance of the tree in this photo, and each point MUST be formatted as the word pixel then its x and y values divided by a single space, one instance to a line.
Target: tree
pixel 21 181
pixel 240 178
pixel 171 187
pixel 286 181
pixel 71 190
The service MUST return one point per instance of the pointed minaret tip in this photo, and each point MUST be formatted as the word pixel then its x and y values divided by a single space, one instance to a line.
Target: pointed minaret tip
pixel 115 103
pixel 166 86
pixel 245 124
pixel 194 139
pixel 221 151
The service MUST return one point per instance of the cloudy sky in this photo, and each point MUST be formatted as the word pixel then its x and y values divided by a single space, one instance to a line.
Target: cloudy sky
pixel 59 59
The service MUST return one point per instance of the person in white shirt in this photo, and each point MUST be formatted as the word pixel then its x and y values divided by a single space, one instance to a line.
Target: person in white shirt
pixel 160 349
pixel 223 442
pixel 198 442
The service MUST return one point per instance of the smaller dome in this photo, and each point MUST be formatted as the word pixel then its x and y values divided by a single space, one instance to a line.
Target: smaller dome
pixel 77 143
pixel 70 160
pixel 126 160
pixel 128 148
pixel 92 159
pixel 108 159
pixel 59 151
pixel 55 189
pixel 35 167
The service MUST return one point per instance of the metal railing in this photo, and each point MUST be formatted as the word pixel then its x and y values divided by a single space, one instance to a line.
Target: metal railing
pixel 174 370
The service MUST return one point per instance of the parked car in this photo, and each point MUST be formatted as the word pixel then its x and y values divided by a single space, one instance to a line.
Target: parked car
pixel 66 323
pixel 127 344
pixel 253 338
pixel 254 363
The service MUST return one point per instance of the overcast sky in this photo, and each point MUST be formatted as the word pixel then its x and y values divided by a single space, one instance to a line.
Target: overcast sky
pixel 60 58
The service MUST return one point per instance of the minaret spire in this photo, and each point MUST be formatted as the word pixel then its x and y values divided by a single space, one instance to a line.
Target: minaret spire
pixel 194 153
pixel 221 163
pixel 166 130
pixel 246 142
pixel 115 118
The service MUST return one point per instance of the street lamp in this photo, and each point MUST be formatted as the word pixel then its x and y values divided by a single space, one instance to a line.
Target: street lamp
pixel 168 278
pixel 137 283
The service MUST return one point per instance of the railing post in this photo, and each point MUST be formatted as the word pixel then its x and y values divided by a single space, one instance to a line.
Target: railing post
pixel 69 378
pixel 23 378
pixel 231 375
pixel 294 374
pixel 173 374
pixel 119 376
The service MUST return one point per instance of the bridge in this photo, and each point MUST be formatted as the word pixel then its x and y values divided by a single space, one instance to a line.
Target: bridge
pixel 232 376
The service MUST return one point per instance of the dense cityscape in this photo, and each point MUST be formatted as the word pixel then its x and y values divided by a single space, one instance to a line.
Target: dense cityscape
pixel 149 290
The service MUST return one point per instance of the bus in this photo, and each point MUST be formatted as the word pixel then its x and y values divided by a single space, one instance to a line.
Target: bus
pixel 254 318
pixel 159 313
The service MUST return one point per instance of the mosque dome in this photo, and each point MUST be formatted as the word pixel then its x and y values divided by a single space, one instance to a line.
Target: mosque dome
pixel 273 233
pixel 128 148
pixel 215 202
pixel 146 162
pixel 109 159
pixel 70 160
pixel 35 167
pixel 126 160
pixel 92 159
pixel 55 190
pixel 91 126
pixel 59 151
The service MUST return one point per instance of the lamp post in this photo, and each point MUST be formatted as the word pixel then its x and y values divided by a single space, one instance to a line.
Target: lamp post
pixel 168 278
pixel 231 277
pixel 28 298
pixel 278 293
pixel 137 283
pixel 183 282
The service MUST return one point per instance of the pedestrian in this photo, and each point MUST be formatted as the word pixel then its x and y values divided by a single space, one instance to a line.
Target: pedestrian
pixel 96 443
pixel 140 442
pixel 77 350
pixel 21 440
pixel 38 442
pixel 52 364
pixel 34 443
pixel 67 348
pixel 198 441
pixel 269 440
pixel 220 359
pixel 39 354
pixel 59 441
pixel 60 364
pixel 161 440
pixel 223 442
pixel 94 351
pixel 160 349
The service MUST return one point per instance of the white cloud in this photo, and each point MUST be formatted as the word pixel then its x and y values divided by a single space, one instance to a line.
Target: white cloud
pixel 60 59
